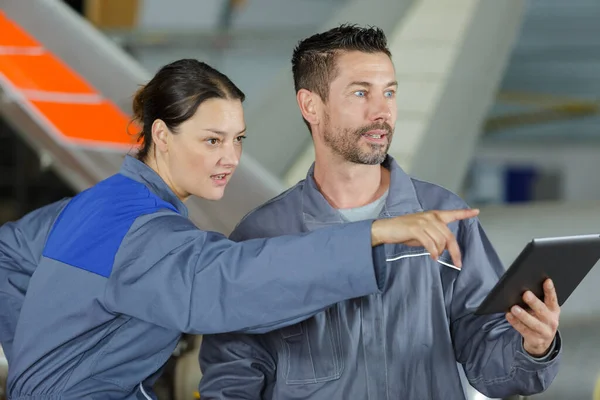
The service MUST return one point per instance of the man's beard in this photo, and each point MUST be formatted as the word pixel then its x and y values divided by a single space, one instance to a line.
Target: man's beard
pixel 346 143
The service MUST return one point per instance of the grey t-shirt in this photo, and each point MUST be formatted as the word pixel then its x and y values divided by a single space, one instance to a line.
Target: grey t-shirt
pixel 368 211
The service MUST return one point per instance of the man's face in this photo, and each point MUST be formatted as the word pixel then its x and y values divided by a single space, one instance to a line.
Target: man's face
pixel 360 112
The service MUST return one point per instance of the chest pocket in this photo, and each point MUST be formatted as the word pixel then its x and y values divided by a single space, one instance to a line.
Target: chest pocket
pixel 423 277
pixel 311 350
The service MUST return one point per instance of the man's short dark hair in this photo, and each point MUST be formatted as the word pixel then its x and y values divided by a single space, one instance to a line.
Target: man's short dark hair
pixel 314 59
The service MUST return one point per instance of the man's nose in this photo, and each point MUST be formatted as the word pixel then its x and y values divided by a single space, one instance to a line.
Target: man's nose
pixel 381 110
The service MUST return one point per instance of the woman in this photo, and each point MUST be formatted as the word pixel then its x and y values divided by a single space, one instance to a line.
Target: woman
pixel 121 272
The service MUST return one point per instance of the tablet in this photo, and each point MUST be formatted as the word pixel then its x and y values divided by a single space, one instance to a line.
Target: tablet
pixel 565 260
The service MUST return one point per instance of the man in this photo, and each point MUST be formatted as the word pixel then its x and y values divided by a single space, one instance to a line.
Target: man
pixel 405 342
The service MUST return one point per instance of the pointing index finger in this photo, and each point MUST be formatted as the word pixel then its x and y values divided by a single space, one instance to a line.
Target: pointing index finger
pixel 448 216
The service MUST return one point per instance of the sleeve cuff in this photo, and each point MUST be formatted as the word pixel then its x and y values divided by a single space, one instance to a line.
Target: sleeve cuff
pixel 551 354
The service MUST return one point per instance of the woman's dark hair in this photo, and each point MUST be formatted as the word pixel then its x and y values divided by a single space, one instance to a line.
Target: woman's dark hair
pixel 174 95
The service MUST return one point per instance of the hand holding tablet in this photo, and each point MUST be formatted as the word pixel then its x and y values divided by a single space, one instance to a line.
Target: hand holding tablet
pixel 538 324
pixel 539 281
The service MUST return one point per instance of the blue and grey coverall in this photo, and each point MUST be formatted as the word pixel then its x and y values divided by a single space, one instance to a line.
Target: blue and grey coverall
pixel 95 291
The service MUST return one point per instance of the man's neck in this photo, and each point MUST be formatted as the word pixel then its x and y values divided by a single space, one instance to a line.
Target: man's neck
pixel 349 185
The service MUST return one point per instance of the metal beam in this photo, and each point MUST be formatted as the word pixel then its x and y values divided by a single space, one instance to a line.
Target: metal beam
pixel 549 108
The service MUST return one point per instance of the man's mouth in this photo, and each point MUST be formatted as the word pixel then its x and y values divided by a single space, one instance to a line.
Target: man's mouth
pixel 378 135
pixel 374 136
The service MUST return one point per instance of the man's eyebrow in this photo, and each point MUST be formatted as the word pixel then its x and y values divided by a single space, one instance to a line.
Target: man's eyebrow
pixel 368 84
pixel 359 83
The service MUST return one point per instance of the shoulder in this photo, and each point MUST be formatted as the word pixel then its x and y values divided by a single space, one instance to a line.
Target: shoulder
pixel 436 197
pixel 92 227
pixel 263 220
pixel 115 201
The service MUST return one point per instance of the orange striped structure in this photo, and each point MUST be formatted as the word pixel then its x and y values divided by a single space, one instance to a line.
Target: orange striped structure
pixel 57 96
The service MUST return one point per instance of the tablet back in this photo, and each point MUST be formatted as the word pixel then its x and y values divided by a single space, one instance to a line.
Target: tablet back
pixel 566 260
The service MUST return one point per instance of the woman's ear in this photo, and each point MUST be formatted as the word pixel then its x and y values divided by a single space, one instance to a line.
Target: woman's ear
pixel 160 133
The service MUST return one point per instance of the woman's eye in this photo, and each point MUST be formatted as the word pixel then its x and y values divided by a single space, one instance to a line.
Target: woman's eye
pixel 241 138
pixel 213 141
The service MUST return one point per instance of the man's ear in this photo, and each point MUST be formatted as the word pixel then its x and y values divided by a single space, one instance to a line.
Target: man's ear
pixel 160 133
pixel 309 104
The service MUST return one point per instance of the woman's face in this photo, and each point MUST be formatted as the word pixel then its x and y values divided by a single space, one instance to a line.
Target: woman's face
pixel 201 157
